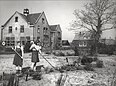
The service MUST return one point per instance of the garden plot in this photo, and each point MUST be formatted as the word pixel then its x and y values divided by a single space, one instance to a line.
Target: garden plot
pixel 99 77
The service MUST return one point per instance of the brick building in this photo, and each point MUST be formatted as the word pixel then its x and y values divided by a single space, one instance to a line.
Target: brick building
pixel 26 27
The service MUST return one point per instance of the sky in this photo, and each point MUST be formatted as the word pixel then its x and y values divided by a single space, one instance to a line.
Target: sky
pixel 57 12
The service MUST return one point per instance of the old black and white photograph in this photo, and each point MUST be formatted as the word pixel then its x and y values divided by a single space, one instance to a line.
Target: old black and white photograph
pixel 58 43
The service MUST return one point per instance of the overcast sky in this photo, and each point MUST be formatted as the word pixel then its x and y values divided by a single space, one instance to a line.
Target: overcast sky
pixel 57 12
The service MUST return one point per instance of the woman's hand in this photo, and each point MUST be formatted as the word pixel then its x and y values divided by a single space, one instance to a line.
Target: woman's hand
pixel 12 48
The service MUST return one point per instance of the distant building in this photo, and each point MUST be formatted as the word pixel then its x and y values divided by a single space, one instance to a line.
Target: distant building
pixel 66 44
pixel 109 37
pixel 56 36
pixel 26 27
pixel 82 42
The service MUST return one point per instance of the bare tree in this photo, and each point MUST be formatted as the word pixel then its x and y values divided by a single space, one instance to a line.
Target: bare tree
pixel 98 16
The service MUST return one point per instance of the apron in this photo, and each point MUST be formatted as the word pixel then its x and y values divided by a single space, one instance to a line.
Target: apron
pixel 18 61
pixel 35 56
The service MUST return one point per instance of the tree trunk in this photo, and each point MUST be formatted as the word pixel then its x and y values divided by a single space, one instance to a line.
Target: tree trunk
pixel 95 38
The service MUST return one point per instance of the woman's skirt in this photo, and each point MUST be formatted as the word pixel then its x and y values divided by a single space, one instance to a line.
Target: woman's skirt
pixel 35 56
pixel 18 61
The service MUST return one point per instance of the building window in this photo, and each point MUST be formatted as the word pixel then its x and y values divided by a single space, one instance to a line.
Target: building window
pixel 22 28
pixel 43 21
pixel 44 28
pixel 28 38
pixel 83 44
pixel 38 29
pixel 22 39
pixel 59 34
pixel 15 28
pixel 45 31
pixel 7 41
pixel 16 19
pixel 38 38
pixel 10 41
pixel 10 29
pixel 46 38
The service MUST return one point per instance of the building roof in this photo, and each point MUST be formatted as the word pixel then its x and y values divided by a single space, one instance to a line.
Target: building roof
pixel 82 36
pixel 30 18
pixel 65 43
pixel 53 27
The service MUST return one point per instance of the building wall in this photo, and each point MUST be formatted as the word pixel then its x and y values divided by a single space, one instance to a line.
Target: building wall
pixel 109 34
pixel 16 32
pixel 44 31
pixel 59 35
pixel 52 40
pixel 56 38
pixel 83 46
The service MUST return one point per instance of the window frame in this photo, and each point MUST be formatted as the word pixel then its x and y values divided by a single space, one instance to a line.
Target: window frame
pixel 10 41
pixel 38 29
pixel 43 21
pixel 22 29
pixel 10 29
pixel 16 19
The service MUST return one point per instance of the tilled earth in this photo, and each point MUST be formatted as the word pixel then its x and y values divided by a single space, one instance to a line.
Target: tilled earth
pixel 98 77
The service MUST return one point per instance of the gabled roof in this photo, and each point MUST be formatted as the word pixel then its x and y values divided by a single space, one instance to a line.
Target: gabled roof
pixel 9 19
pixel 30 18
pixel 65 42
pixel 53 27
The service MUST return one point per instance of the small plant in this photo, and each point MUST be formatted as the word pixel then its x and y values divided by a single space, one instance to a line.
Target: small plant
pixel 54 53
pixel 86 59
pixel 69 54
pixel 48 52
pixel 88 67
pixel 99 63
pixel 95 59
pixel 47 69
pixel 59 53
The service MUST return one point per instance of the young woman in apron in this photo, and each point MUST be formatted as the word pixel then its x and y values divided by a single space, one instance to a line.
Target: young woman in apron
pixel 35 57
pixel 18 58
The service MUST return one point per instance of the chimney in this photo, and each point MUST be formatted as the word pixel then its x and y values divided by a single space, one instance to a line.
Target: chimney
pixel 26 12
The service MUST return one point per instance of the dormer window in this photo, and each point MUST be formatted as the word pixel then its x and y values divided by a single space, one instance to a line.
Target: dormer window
pixel 16 19
pixel 10 29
